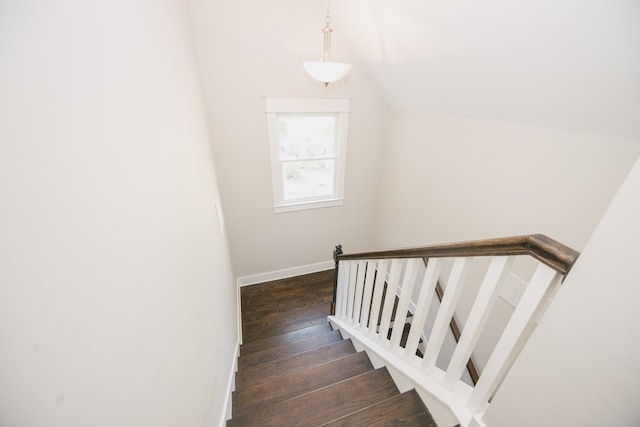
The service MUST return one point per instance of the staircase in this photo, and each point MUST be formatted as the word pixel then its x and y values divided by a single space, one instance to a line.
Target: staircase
pixel 294 370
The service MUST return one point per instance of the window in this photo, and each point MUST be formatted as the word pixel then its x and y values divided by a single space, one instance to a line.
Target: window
pixel 308 138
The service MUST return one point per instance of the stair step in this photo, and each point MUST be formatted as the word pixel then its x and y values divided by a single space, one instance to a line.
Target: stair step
pixel 287 386
pixel 296 335
pixel 261 325
pixel 406 409
pixel 287 349
pixel 323 405
pixel 295 363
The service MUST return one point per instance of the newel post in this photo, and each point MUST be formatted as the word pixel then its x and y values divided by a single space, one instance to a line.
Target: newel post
pixel 337 250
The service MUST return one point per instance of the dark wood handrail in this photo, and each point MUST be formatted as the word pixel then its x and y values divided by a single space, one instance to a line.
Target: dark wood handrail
pixel 546 250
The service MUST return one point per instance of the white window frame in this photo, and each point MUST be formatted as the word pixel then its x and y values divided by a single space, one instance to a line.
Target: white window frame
pixel 291 105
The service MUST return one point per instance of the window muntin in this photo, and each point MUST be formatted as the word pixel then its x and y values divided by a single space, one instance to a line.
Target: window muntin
pixel 308 146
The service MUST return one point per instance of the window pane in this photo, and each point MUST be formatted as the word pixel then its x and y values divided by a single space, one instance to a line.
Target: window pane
pixel 306 136
pixel 307 179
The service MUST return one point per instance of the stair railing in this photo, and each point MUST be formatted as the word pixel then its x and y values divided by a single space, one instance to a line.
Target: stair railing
pixel 374 291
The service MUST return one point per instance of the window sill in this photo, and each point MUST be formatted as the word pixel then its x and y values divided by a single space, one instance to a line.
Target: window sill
pixel 318 204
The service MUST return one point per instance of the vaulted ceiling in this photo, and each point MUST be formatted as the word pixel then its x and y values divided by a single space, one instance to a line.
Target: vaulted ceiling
pixel 558 63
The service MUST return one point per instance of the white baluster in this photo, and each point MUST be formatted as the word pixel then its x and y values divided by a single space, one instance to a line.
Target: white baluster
pixel 390 297
pixel 343 278
pixel 445 312
pixel 487 295
pixel 408 283
pixel 427 292
pixel 352 290
pixel 357 305
pixel 367 294
pixel 381 276
pixel 513 338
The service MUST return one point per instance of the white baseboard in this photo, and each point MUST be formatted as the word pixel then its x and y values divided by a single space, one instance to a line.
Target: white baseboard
pixel 283 274
pixel 239 315
pixel 231 385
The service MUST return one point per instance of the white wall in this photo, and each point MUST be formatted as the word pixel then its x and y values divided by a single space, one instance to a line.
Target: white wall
pixel 250 49
pixel 554 63
pixel 117 301
pixel 582 365
pixel 448 179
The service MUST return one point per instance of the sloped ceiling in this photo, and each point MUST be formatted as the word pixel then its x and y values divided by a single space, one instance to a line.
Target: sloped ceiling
pixel 571 64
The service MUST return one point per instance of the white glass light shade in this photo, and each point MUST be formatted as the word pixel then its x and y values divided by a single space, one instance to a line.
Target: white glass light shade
pixel 326 72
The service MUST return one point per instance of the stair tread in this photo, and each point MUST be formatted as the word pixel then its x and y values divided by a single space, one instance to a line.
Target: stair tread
pixel 288 349
pixel 295 363
pixel 406 409
pixel 323 405
pixel 275 340
pixel 287 386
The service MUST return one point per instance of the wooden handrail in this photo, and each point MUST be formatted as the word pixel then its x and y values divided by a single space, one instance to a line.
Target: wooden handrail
pixel 546 250
pixel 356 279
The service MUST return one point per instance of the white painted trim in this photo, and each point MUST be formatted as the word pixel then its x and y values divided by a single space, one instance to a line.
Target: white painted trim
pixel 231 385
pixel 239 315
pixel 430 384
pixel 337 107
pixel 316 204
pixel 307 104
pixel 477 421
pixel 284 273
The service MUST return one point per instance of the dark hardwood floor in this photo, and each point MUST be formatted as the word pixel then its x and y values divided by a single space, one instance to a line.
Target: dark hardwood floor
pixel 286 305
pixel 294 370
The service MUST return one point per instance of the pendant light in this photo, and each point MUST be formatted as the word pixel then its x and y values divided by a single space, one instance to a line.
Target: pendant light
pixel 325 70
